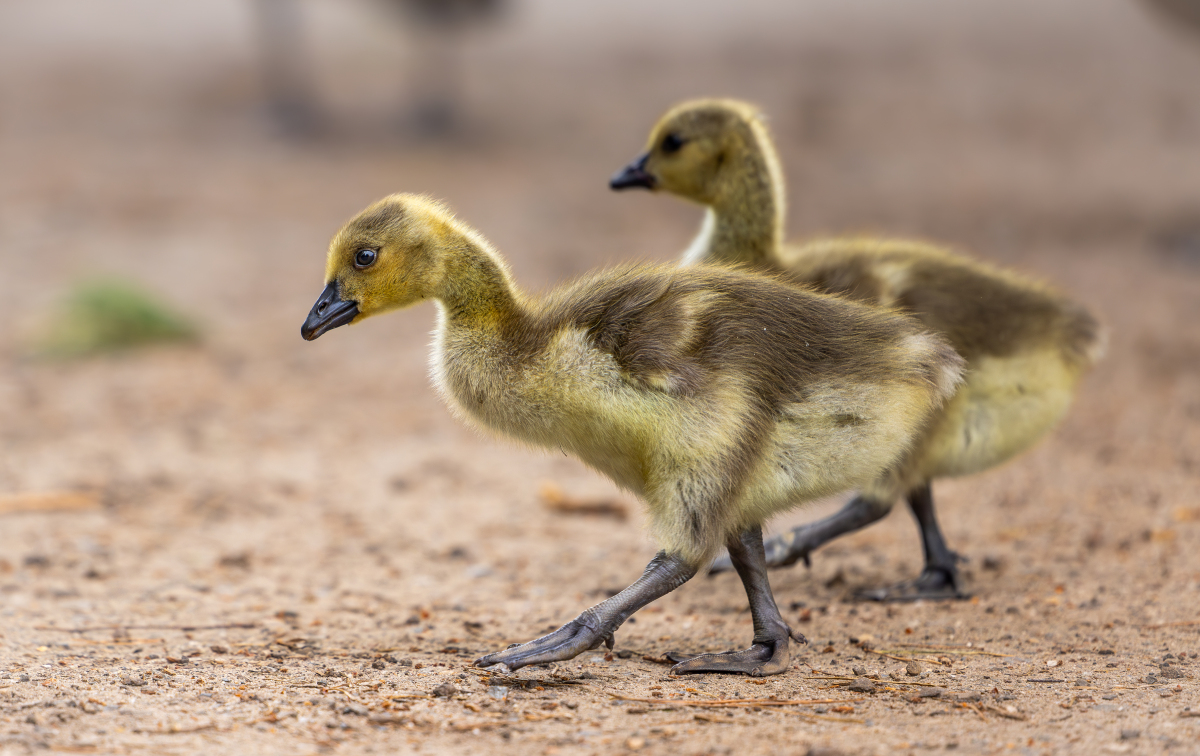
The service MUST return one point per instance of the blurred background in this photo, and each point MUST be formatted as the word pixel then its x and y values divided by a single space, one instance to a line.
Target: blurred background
pixel 203 153
pixel 198 146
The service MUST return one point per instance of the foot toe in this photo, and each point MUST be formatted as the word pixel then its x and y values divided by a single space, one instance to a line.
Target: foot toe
pixel 760 660
pixel 567 642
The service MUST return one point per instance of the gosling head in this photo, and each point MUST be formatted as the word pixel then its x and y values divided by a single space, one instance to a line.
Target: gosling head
pixel 383 259
pixel 694 150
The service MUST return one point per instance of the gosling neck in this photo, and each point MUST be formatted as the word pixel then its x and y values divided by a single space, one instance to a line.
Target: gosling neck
pixel 474 288
pixel 744 223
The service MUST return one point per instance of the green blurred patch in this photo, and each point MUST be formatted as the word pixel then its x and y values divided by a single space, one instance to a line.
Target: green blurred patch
pixel 108 316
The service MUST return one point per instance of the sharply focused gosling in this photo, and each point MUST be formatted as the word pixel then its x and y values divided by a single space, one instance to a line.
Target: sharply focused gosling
pixel 718 397
pixel 1026 346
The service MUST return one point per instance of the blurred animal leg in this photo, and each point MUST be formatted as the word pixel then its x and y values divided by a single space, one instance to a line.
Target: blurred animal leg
pixel 786 549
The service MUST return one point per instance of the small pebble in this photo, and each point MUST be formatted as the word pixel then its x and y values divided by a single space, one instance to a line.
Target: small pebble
pixel 859 671
pixel 1130 734
pixel 862 685
pixel 445 690
pixel 913 668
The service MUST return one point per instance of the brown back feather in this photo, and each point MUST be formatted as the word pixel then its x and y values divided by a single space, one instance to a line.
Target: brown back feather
pixel 780 337
pixel 980 311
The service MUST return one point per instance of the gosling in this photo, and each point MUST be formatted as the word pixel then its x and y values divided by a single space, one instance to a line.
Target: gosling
pixel 718 397
pixel 1026 346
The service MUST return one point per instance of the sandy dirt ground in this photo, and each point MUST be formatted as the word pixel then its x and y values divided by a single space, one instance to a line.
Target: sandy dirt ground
pixel 293 547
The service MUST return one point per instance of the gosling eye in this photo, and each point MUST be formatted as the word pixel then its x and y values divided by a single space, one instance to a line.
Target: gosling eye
pixel 364 258
pixel 671 143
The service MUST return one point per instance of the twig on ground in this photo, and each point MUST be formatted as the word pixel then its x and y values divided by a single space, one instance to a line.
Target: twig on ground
pixel 1004 713
pixel 49 501
pixel 819 717
pixel 839 681
pixel 469 726
pixel 533 716
pixel 342 689
pixel 736 703
pixel 926 659
pixel 119 641
pixel 174 730
pixel 972 707
pixel 556 501
pixel 516 682
pixel 183 628
pixel 954 650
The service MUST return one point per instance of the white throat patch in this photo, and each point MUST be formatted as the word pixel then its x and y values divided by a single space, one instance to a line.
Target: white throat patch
pixel 697 251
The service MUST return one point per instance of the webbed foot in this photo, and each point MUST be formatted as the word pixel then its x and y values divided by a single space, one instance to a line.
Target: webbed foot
pixel 763 658
pixel 599 624
pixel 566 642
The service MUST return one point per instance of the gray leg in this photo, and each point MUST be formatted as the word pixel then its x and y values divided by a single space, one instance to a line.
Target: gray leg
pixel 770 653
pixel 787 549
pixel 596 625
pixel 939 579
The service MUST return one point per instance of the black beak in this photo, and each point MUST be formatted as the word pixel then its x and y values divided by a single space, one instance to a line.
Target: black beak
pixel 633 175
pixel 328 313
